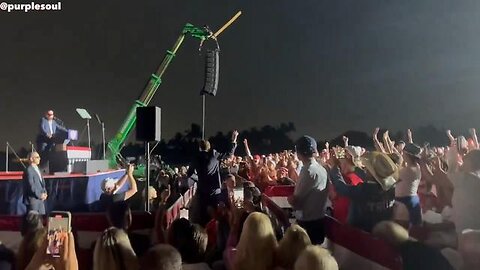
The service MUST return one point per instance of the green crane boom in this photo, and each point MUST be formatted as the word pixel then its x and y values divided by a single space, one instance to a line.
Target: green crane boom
pixel 116 144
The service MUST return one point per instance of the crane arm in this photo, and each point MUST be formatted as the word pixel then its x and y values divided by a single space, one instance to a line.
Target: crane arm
pixel 116 144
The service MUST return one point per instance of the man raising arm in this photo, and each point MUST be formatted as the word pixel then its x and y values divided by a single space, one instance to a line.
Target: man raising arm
pixel 110 189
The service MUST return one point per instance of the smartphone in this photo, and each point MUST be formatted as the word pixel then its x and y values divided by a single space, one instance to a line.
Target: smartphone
pixel 238 193
pixel 59 225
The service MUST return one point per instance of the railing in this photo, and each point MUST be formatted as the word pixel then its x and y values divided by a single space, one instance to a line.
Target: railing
pixel 354 240
pixel 89 225
pixel 363 244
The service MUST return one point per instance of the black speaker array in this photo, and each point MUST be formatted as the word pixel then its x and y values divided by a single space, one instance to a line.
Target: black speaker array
pixel 212 67
pixel 149 124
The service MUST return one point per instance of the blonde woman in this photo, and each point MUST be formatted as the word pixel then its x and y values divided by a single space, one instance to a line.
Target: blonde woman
pixel 31 242
pixel 257 245
pixel 292 244
pixel 113 251
pixel 33 234
pixel 316 258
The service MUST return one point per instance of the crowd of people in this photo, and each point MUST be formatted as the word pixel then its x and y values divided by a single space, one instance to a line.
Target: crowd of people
pixel 419 199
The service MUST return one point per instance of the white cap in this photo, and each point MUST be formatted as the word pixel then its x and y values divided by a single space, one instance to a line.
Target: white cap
pixel 109 183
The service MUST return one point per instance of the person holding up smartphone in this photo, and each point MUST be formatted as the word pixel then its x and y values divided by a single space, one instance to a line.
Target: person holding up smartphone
pixel 57 250
pixel 59 225
pixel 111 187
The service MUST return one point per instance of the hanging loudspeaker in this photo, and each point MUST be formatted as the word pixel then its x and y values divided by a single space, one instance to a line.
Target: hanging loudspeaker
pixel 211 73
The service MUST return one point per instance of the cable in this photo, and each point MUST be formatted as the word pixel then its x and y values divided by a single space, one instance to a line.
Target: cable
pixel 151 151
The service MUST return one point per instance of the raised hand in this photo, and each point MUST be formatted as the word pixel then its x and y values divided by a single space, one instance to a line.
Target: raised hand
pixel 333 160
pixel 409 135
pixel 392 143
pixel 66 261
pixel 234 136
pixel 450 137
pixel 473 132
pixel 130 169
pixel 165 195
pixel 345 140
pixel 437 165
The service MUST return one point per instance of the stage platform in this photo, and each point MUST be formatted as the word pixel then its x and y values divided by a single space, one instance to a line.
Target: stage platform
pixel 66 192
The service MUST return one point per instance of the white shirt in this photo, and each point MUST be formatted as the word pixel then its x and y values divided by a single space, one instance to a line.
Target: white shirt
pixel 466 206
pixel 299 167
pixel 409 180
pixel 311 192
pixel 50 125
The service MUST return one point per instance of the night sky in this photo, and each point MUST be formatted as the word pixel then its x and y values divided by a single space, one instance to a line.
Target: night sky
pixel 327 66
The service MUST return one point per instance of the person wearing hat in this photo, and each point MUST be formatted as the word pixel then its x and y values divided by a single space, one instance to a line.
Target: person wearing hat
pixel 311 192
pixel 408 182
pixel 110 188
pixel 371 201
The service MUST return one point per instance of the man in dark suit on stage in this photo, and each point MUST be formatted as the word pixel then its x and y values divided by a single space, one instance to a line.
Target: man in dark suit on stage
pixel 34 192
pixel 51 131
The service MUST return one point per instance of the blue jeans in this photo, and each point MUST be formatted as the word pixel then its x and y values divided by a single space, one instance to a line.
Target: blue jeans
pixel 414 210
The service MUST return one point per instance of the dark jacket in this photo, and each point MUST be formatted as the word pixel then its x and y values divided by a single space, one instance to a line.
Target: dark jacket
pixel 33 186
pixel 207 165
pixel 45 127
pixel 369 205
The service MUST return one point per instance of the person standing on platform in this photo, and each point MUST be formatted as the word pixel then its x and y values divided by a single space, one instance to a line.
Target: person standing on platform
pixel 34 192
pixel 311 192
pixel 207 166
pixel 110 188
pixel 51 131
